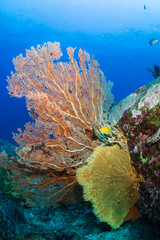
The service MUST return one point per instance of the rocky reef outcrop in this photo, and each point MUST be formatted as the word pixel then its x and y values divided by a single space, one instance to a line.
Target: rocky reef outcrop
pixel 139 118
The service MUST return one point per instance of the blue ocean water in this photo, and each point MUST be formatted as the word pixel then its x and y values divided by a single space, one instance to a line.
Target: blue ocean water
pixel 116 33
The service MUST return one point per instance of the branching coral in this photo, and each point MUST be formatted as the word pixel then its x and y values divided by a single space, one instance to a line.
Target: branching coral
pixel 111 184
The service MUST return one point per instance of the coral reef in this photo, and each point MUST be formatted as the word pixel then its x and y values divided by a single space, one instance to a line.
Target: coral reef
pixel 73 125
pixel 141 125
pixel 71 222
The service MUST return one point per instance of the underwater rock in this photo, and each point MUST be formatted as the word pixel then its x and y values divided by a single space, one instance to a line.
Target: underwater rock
pixel 139 118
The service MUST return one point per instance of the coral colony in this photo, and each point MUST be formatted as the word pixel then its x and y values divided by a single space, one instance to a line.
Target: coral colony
pixel 70 141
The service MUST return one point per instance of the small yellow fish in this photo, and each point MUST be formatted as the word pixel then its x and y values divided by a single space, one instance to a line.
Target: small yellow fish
pixel 105 130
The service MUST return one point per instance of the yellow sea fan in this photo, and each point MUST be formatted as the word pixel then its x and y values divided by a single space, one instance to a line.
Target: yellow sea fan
pixel 110 182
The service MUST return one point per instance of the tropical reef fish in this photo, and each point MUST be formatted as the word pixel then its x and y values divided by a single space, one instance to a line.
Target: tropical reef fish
pixel 153 41
pixel 105 130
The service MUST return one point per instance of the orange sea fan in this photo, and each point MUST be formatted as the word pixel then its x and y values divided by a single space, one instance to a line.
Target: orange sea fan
pixel 38 186
pixel 110 182
pixel 66 101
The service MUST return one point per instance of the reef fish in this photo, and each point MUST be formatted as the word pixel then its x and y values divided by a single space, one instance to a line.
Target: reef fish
pixel 153 41
pixel 105 130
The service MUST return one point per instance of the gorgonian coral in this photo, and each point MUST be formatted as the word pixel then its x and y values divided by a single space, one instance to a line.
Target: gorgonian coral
pixel 111 184
pixel 66 101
